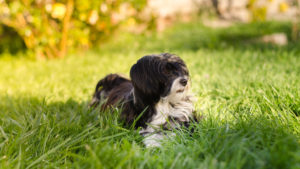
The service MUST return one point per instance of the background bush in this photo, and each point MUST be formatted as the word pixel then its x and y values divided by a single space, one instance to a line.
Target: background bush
pixel 49 27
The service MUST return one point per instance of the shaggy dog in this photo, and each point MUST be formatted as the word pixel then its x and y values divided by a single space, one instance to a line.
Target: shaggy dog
pixel 157 96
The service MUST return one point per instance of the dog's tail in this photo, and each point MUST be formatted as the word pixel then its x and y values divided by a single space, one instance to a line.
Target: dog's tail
pixel 104 86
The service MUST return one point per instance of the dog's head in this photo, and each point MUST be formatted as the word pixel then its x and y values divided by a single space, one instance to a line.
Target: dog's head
pixel 158 76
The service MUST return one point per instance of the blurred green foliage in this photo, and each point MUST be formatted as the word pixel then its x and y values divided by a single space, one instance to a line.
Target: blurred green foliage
pixel 48 27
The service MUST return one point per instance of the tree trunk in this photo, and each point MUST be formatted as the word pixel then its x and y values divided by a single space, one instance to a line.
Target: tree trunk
pixel 65 30
pixel 296 22
pixel 215 4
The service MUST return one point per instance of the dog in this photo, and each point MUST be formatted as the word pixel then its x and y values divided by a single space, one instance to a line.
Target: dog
pixel 156 98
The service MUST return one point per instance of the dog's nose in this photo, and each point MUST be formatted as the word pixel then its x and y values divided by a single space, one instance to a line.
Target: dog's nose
pixel 183 81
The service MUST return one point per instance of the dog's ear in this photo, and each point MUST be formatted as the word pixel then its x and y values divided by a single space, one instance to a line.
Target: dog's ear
pixel 170 66
pixel 146 81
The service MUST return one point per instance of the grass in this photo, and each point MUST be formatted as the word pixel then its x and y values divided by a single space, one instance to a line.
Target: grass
pixel 248 93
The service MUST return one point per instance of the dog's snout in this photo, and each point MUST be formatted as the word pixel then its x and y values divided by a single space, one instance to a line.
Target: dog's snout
pixel 183 81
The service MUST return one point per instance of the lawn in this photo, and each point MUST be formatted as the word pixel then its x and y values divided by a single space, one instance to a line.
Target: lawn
pixel 248 94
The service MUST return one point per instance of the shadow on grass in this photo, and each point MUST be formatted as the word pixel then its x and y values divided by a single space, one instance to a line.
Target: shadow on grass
pixel 41 129
pixel 21 111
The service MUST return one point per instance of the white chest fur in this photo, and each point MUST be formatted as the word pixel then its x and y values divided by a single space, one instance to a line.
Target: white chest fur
pixel 181 110
pixel 167 108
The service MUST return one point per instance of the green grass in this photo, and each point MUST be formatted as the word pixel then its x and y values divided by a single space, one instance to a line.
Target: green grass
pixel 248 94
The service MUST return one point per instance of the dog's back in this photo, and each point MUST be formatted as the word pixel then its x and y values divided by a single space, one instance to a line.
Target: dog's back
pixel 111 90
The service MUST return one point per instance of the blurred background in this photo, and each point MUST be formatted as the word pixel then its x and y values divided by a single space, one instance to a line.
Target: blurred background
pixel 242 55
pixel 52 29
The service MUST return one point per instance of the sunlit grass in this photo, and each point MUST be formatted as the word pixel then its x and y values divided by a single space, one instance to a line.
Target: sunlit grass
pixel 248 94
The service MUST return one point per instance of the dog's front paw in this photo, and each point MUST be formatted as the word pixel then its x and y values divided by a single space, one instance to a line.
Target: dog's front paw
pixel 153 140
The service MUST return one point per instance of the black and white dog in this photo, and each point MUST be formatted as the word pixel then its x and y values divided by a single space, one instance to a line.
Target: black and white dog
pixel 156 98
